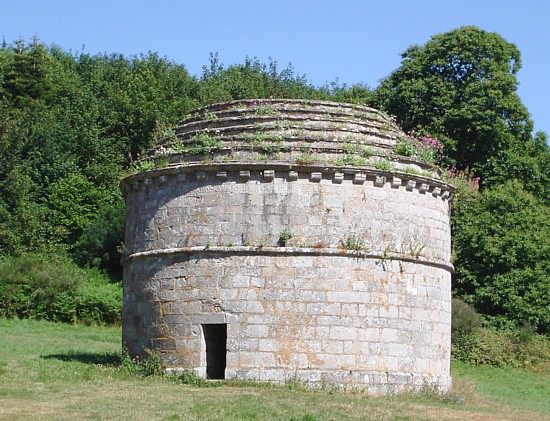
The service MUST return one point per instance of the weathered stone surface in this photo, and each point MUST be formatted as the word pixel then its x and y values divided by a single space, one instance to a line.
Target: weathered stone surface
pixel 357 294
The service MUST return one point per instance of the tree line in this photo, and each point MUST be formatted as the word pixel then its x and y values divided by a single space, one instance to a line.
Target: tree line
pixel 71 123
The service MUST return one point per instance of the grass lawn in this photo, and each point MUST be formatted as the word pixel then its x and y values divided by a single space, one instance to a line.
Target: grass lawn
pixel 60 372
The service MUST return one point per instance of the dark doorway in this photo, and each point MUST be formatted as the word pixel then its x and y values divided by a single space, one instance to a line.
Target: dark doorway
pixel 215 337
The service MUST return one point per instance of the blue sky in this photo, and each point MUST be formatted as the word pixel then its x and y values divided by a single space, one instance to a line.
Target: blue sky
pixel 350 40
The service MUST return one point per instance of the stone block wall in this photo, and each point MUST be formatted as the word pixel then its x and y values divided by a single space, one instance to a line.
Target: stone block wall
pixel 382 326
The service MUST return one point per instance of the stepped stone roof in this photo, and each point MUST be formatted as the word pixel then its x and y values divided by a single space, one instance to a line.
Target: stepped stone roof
pixel 288 132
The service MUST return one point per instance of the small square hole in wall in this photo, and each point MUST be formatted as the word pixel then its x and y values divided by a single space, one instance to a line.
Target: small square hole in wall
pixel 215 338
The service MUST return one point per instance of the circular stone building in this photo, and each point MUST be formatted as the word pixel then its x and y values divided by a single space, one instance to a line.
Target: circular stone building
pixel 286 239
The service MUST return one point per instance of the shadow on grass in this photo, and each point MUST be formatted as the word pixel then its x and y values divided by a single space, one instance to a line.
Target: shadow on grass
pixel 98 358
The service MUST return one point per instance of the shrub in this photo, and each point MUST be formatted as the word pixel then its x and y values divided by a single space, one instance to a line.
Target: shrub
pixel 464 319
pixel 473 344
pixel 38 286
pixel 383 164
pixel 148 366
pixel 502 349
pixel 98 301
pixel 52 287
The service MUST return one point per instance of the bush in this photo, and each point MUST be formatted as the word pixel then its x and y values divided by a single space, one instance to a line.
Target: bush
pixel 502 349
pixel 148 366
pixel 474 344
pixel 52 287
pixel 98 300
pixel 465 320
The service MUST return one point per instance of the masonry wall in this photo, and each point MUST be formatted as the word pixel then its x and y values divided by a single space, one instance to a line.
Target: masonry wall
pixel 252 210
pixel 358 297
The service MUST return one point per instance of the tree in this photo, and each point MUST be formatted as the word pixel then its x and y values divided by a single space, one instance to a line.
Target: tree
pixel 529 162
pixel 460 86
pixel 254 79
pixel 73 202
pixel 22 219
pixel 67 124
pixel 100 243
pixel 501 246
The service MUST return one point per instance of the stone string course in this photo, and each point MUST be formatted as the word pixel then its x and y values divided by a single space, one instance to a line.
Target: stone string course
pixel 358 297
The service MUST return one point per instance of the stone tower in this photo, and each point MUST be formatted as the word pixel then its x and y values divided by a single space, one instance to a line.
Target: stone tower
pixel 286 239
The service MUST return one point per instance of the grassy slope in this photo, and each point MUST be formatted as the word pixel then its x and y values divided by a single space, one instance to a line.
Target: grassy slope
pixel 57 372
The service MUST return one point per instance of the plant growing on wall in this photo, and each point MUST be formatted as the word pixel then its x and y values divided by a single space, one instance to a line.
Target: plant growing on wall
pixel 284 237
pixel 425 148
pixel 354 242
pixel 383 164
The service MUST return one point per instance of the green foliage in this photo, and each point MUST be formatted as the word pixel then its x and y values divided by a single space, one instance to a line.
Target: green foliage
pixel 190 378
pixel 67 125
pixel 100 243
pixel 485 346
pixel 357 93
pixel 354 154
pixel 144 165
pixel 147 366
pixel 351 159
pixel 473 344
pixel 253 79
pixel 404 147
pixel 39 287
pixel 98 300
pixel 51 287
pixel 74 202
pixel 284 237
pixel 354 242
pixel 22 220
pixel 464 319
pixel 306 158
pixel 501 246
pixel 205 143
pixel 265 109
pixel 383 164
pixel 425 148
pixel 529 162
pixel 466 185
pixel 461 85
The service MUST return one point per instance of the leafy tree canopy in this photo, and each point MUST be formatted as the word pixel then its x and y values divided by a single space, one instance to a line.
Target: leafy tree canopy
pixel 502 244
pixel 460 86
pixel 69 122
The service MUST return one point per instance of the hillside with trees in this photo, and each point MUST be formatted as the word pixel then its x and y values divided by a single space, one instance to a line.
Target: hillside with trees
pixel 72 125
